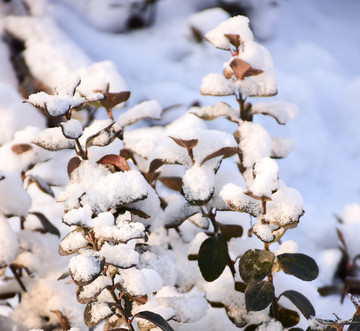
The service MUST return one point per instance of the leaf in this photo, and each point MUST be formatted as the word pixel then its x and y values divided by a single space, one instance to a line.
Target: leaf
pixel 73 163
pixel 21 148
pixel 299 265
pixel 112 99
pixel 95 265
pixel 331 289
pixel 255 264
pixel 239 286
pixel 213 257
pixel 287 317
pixel 234 39
pixel 64 321
pixel 229 231
pixel 41 184
pixel 155 319
pixel 225 151
pixel 259 295
pixel 301 302
pixel 115 160
pixel 156 164
pixel 7 295
pixel 47 225
pixel 188 144
pixel 64 275
pixel 174 183
pixel 72 242
pixel 243 69
pixel 95 312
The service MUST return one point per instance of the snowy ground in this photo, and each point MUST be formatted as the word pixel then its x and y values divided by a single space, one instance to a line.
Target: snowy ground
pixel 316 54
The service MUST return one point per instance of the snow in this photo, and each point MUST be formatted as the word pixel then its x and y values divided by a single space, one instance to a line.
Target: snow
pixel 72 129
pixel 8 243
pixel 119 255
pixel 53 139
pixel 146 109
pixel 217 85
pixel 234 25
pixel 284 112
pixel 188 308
pixel 140 282
pixel 198 183
pixel 256 143
pixel 266 175
pixel 84 268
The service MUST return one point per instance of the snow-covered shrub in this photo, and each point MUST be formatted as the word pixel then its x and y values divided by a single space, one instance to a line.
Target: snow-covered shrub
pixel 155 215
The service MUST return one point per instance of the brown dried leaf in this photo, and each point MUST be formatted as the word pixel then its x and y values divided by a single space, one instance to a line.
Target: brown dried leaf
pixel 174 183
pixel 234 39
pixel 188 144
pixel 64 321
pixel 115 160
pixel 21 148
pixel 225 151
pixel 155 164
pixel 112 99
pixel 138 212
pixel 141 300
pixel 243 69
pixel 239 67
pixel 73 163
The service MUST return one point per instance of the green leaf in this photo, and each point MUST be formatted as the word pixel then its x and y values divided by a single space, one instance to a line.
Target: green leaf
pixel 259 295
pixel 95 312
pixel 299 265
pixel 255 264
pixel 239 286
pixel 301 302
pixel 229 231
pixel 213 257
pixel 155 319
pixel 287 317
pixel 47 225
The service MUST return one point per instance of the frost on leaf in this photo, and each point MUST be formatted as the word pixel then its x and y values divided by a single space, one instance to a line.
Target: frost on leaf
pixel 281 111
pixel 146 109
pixel 220 109
pixel 85 269
pixel 72 129
pixel 52 139
pixel 114 190
pixel 72 242
pixel 102 137
pixel 198 184
pixel 237 200
pixel 216 85
pixel 119 255
pixel 266 175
